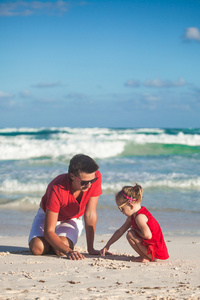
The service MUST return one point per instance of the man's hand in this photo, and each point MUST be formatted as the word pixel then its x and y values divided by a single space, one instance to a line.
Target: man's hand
pixel 75 255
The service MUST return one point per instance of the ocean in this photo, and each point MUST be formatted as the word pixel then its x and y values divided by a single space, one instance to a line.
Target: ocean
pixel 165 162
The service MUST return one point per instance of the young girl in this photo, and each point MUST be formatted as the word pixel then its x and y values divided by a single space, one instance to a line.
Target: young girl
pixel 145 235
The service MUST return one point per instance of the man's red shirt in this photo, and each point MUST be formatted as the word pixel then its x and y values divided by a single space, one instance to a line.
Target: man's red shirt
pixel 59 198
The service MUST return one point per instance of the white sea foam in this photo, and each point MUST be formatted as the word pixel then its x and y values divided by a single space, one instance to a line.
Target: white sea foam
pixel 96 142
pixel 65 145
pixel 148 130
pixel 15 186
pixel 192 184
pixel 24 203
pixel 180 139
pixel 179 184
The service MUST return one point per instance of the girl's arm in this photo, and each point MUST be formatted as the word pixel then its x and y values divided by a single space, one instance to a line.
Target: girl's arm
pixel 144 231
pixel 118 233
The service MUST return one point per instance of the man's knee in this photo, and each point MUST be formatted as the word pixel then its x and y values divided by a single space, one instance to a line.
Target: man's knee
pixel 67 242
pixel 38 246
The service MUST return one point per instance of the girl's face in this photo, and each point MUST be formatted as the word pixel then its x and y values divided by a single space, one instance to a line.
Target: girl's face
pixel 126 208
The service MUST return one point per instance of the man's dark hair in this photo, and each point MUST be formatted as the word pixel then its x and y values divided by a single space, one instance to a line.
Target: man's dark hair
pixel 82 163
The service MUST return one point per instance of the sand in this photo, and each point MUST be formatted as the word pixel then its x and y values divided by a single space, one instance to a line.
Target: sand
pixel 24 276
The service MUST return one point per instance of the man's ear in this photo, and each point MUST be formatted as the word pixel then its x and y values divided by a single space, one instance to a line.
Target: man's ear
pixel 71 176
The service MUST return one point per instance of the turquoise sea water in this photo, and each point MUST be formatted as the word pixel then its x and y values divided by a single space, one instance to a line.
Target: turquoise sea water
pixel 164 161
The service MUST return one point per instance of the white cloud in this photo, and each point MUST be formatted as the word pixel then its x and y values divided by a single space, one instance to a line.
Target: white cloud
pixel 151 98
pixel 47 84
pixel 166 83
pixel 25 94
pixel 51 100
pixel 4 95
pixel 157 83
pixel 132 83
pixel 78 98
pixel 192 33
pixel 75 96
pixel 24 8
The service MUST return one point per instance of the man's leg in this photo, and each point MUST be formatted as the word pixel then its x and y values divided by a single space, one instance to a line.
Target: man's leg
pixel 69 231
pixel 67 242
pixel 39 246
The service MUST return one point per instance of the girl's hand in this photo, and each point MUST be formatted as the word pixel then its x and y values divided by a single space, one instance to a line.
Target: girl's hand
pixel 104 251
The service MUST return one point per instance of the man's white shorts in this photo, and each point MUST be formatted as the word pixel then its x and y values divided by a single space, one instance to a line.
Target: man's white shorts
pixel 70 228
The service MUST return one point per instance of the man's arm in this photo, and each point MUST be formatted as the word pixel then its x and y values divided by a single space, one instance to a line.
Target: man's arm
pixel 90 218
pixel 52 238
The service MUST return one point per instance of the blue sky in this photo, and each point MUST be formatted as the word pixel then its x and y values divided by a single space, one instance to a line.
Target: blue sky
pixel 102 63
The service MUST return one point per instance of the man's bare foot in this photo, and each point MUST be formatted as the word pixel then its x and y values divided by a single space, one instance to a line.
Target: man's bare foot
pixel 140 259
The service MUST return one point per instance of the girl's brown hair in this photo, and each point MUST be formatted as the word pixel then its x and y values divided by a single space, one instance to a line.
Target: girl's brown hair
pixel 133 192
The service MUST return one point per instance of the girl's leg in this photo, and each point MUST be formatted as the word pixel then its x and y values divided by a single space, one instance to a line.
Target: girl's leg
pixel 135 243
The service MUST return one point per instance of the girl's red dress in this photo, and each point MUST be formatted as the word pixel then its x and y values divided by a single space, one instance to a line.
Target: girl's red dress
pixel 156 245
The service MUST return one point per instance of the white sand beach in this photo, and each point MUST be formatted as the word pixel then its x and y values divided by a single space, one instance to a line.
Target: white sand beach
pixel 24 276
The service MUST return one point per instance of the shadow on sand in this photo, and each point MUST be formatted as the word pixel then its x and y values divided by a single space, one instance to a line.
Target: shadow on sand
pixel 118 257
pixel 15 249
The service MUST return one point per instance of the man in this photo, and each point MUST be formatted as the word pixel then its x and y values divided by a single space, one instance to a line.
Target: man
pixel 58 222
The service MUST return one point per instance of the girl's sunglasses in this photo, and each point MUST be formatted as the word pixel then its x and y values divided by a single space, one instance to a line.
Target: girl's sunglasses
pixel 86 182
pixel 122 205
pixel 128 201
